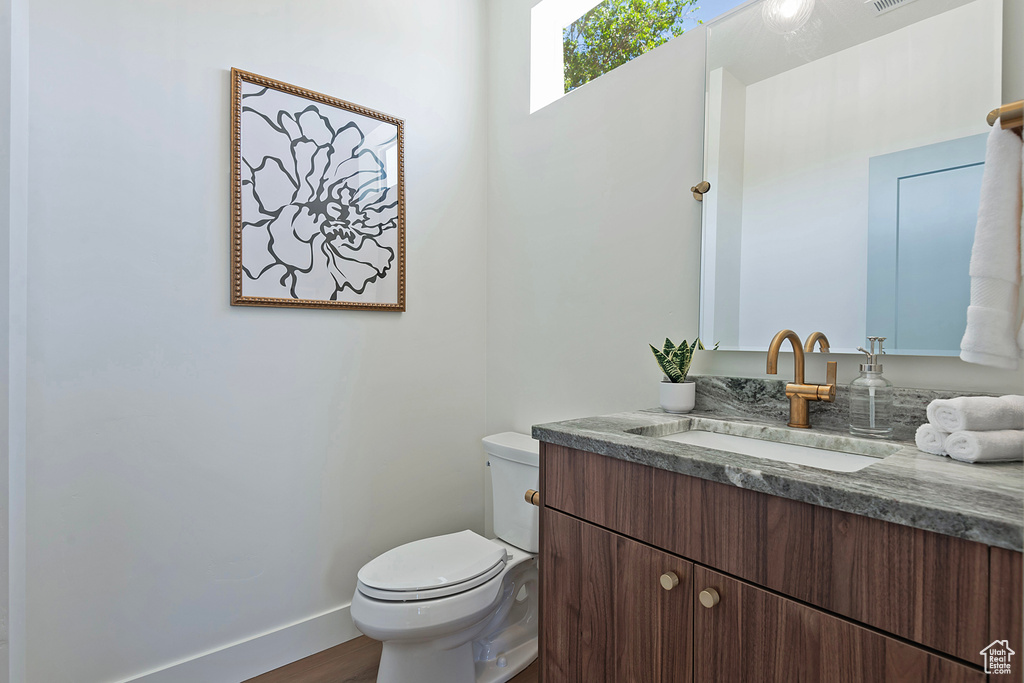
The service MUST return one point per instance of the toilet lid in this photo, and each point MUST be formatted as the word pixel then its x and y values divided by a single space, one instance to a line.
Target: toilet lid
pixel 440 562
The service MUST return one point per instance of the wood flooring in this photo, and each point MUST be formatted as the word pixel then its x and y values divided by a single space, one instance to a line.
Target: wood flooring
pixel 352 662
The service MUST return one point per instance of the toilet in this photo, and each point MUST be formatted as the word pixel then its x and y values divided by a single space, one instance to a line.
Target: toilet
pixel 461 608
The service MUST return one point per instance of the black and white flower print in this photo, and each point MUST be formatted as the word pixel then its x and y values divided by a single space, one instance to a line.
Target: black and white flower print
pixel 319 199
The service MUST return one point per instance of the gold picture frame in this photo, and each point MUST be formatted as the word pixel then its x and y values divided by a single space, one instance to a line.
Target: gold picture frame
pixel 317 200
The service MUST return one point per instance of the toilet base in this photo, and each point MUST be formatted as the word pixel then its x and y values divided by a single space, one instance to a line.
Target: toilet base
pixel 421 662
pixel 491 642
pixel 514 660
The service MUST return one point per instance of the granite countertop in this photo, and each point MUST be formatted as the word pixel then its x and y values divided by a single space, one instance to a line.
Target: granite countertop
pixel 983 503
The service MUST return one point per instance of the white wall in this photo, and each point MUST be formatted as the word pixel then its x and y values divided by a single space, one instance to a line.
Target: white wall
pixel 593 236
pixel 5 326
pixel 13 176
pixel 199 474
pixel 1013 50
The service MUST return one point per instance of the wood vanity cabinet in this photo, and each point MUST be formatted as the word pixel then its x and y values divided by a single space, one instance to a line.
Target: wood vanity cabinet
pixel 804 593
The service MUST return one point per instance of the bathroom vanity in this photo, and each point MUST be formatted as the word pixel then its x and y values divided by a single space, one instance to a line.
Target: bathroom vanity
pixel 664 561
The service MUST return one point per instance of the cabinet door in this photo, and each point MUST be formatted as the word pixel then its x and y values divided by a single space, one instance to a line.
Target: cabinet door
pixel 757 636
pixel 605 616
pixel 1006 611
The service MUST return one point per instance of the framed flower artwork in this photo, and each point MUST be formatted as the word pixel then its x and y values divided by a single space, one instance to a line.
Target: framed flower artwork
pixel 318 200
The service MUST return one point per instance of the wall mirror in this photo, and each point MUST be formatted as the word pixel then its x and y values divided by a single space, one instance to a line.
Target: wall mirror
pixel 844 145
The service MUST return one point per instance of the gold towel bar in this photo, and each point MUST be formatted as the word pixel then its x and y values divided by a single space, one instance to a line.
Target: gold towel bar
pixel 1010 115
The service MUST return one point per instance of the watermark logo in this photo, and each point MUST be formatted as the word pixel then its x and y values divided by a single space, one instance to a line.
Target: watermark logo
pixel 997 657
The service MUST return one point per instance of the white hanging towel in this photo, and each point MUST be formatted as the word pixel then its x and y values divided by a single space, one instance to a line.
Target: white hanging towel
pixel 991 334
pixel 1020 335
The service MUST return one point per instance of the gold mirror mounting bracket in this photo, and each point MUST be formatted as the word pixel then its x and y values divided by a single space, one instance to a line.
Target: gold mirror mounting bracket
pixel 699 189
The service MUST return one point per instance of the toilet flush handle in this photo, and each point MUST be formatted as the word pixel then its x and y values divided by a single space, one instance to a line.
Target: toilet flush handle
pixel 533 497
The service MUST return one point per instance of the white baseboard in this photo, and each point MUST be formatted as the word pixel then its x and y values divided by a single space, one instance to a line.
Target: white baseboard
pixel 251 657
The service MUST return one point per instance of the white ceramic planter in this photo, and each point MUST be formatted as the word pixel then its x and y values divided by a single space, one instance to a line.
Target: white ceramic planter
pixel 678 397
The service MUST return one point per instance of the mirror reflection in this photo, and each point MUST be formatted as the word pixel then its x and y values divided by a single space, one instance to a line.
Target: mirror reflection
pixel 845 159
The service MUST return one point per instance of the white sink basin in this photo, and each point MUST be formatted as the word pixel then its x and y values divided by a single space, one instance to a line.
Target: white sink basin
pixel 770 450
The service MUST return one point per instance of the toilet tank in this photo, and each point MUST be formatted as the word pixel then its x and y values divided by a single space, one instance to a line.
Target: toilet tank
pixel 514 461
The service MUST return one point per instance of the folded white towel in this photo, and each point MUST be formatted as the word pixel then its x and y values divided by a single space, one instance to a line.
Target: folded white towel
pixel 990 336
pixel 1006 445
pixel 931 439
pixel 977 413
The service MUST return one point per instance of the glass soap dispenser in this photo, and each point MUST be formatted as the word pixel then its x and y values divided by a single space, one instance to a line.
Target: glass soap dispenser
pixel 871 396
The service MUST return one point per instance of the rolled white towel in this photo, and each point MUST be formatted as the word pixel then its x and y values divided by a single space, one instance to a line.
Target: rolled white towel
pixel 931 439
pixel 977 413
pixel 1016 401
pixel 1003 445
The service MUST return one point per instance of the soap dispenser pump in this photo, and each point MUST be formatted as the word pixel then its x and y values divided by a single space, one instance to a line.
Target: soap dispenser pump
pixel 871 396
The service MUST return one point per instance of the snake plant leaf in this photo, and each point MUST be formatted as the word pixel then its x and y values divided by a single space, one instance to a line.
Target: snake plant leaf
pixel 675 359
pixel 670 369
pixel 684 362
pixel 686 353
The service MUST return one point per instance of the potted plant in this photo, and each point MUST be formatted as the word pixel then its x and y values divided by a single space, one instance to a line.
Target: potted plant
pixel 677 395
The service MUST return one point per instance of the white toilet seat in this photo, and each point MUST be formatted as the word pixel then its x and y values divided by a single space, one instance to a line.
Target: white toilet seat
pixel 432 568
pixel 431 593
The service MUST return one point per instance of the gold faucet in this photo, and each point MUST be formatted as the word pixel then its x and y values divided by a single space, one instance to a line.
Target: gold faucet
pixel 798 391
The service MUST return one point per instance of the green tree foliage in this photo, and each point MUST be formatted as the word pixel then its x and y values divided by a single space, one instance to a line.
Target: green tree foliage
pixel 615 32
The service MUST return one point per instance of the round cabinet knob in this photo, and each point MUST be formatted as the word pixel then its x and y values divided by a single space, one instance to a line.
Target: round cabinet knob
pixel 533 497
pixel 709 597
pixel 669 580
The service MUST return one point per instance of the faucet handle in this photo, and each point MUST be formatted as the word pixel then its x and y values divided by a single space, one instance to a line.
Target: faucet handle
pixel 827 392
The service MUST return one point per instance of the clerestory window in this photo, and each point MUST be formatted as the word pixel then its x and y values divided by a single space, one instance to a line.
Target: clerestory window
pixel 575 41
